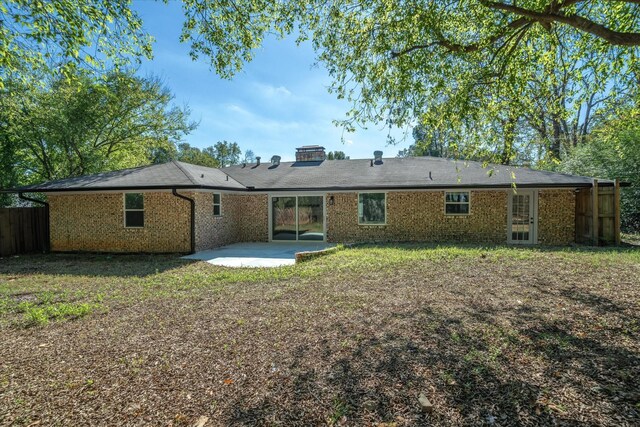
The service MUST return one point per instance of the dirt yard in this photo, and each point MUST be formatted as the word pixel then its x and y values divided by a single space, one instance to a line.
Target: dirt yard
pixel 488 336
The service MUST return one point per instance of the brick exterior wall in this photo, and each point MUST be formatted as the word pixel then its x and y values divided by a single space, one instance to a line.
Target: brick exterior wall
pixel 556 217
pixel 245 218
pixel 95 222
pixel 212 230
pixel 251 213
pixel 420 217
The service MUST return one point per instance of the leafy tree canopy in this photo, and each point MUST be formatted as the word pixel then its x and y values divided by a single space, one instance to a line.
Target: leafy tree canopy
pixel 221 154
pixel 337 155
pixel 64 34
pixel 81 126
pixel 487 70
pixel 249 157
pixel 613 151
pixel 227 153
pixel 194 155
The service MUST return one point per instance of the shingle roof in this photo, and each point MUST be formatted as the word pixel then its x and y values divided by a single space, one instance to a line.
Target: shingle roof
pixel 409 173
pixel 161 176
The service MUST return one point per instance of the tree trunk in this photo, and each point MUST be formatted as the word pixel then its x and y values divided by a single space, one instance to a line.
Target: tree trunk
pixel 556 138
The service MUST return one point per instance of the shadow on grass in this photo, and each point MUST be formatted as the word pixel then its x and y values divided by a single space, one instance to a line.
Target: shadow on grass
pixel 540 372
pixel 140 265
pixel 92 265
pixel 575 248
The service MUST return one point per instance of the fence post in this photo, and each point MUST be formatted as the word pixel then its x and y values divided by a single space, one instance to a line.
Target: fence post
pixel 616 201
pixel 596 214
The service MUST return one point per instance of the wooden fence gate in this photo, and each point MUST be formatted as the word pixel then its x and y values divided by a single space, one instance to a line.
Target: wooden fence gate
pixel 598 218
pixel 23 230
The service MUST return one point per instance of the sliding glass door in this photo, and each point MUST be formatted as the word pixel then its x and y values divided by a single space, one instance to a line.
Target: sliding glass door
pixel 310 218
pixel 284 218
pixel 297 218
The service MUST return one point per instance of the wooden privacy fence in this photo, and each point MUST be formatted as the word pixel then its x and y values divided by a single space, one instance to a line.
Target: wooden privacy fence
pixel 598 218
pixel 23 230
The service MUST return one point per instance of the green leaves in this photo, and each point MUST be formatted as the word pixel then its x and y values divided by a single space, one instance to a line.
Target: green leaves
pixel 613 151
pixel 39 35
pixel 77 125
pixel 466 68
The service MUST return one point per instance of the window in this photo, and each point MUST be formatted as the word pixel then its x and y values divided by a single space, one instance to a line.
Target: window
pixel 216 204
pixel 372 208
pixel 456 203
pixel 133 210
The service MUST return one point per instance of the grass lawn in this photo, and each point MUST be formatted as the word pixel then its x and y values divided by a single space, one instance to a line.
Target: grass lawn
pixel 497 336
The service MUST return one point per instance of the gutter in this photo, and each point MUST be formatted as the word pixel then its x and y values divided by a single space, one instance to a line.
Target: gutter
pixel 434 187
pixel 251 188
pixel 47 242
pixel 193 217
pixel 119 189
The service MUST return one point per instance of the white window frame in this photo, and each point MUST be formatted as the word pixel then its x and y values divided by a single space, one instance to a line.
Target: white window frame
pixel 385 209
pixel 125 210
pixel 457 203
pixel 219 204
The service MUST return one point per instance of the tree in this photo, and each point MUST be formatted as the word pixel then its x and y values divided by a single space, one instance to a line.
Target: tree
pixel 612 151
pixel 249 157
pixel 427 144
pixel 81 126
pixel 443 64
pixel 187 153
pixel 222 154
pixel 474 67
pixel 61 35
pixel 226 153
pixel 228 31
pixel 337 155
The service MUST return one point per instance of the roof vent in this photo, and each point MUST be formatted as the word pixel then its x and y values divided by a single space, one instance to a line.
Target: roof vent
pixel 257 160
pixel 377 157
pixel 275 160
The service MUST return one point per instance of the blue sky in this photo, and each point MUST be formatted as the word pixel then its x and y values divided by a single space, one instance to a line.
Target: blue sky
pixel 277 103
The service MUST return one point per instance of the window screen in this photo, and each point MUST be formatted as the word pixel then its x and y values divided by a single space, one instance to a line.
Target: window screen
pixel 457 203
pixel 217 211
pixel 372 208
pixel 133 210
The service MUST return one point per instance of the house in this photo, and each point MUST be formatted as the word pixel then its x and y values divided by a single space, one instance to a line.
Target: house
pixel 179 207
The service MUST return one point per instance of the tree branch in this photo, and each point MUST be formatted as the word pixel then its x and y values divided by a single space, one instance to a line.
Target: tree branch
pixel 554 14
pixel 461 48
pixel 551 14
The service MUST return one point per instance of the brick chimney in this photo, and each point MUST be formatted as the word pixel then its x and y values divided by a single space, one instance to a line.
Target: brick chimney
pixel 310 153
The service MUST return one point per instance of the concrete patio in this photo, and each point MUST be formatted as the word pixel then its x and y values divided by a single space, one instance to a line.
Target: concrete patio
pixel 274 254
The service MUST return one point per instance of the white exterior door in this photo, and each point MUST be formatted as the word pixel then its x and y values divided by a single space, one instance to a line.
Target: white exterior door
pixel 522 217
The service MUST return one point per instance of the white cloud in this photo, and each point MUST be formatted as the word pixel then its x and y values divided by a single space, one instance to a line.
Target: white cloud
pixel 271 92
pixel 237 109
pixel 240 119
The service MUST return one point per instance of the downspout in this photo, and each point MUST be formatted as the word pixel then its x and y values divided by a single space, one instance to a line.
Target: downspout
pixel 47 241
pixel 193 218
